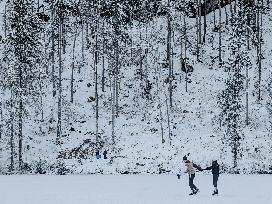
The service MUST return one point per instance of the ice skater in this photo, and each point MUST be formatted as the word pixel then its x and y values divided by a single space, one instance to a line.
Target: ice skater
pixel 191 172
pixel 215 171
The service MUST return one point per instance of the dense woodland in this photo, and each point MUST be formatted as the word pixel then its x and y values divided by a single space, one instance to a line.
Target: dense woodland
pixel 149 81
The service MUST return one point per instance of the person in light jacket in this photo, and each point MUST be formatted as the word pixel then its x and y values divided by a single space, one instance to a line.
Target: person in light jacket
pixel 191 170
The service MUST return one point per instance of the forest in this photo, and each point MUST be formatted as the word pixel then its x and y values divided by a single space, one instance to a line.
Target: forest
pixel 149 81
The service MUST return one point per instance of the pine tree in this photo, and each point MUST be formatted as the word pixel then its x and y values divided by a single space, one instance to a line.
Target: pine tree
pixel 231 99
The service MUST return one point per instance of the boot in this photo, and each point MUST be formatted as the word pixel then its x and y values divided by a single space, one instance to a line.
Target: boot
pixel 215 192
pixel 192 193
pixel 196 191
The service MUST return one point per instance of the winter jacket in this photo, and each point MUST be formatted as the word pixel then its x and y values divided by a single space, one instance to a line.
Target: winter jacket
pixel 190 167
pixel 214 167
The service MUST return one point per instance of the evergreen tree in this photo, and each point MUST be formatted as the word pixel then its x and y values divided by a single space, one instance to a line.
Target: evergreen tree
pixel 231 99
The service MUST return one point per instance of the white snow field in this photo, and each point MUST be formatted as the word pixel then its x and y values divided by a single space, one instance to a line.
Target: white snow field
pixel 133 189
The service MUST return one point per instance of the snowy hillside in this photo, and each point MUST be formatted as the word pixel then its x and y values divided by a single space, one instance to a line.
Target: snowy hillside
pixel 109 87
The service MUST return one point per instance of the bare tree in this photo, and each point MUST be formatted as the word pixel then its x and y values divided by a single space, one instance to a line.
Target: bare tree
pixel 53 46
pixel 60 28
pixel 185 53
pixel 12 148
pixel 220 34
pixel 205 21
pixel 73 69
pixel 103 58
pixel 159 99
pixel 169 35
pixel 259 48
pixel 96 77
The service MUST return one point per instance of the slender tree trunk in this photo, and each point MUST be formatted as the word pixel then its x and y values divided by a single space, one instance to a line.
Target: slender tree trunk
pixel 59 125
pixel 12 153
pixel 231 9
pixel 20 133
pixel 114 87
pixel 205 21
pixel 117 83
pixel 185 53
pixel 20 113
pixel 41 97
pixel 73 69
pixel 220 35
pixel 113 114
pixel 197 30
pixel 200 23
pixel 248 31
pixel 5 21
pixel 181 51
pixel 247 80
pixel 160 103
pixel 168 122
pixel 226 15
pixel 96 82
pixel 259 60
pixel 1 118
pixel 82 38
pixel 214 19
pixel 53 47
pixel 169 34
pixel 103 59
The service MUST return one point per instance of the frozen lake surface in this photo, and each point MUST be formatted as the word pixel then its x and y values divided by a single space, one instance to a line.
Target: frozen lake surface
pixel 133 189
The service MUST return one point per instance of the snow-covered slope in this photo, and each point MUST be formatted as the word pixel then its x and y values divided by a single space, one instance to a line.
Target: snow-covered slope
pixel 193 125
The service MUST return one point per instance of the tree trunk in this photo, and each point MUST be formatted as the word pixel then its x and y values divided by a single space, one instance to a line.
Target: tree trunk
pixel 53 47
pixel 214 19
pixel 82 38
pixel 181 51
pixel 197 30
pixel 1 118
pixel 259 60
pixel 12 153
pixel 185 53
pixel 41 97
pixel 59 125
pixel 169 34
pixel 248 31
pixel 96 82
pixel 73 69
pixel 168 122
pixel 159 99
pixel 103 59
pixel 200 23
pixel 220 36
pixel 247 80
pixel 113 115
pixel 226 15
pixel 205 21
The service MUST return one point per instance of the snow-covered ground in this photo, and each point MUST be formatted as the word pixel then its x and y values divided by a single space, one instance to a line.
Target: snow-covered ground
pixel 133 189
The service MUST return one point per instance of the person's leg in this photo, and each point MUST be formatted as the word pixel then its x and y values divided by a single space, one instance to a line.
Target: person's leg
pixel 215 180
pixel 191 183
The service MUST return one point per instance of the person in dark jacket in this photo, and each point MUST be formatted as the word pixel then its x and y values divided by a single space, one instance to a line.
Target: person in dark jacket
pixel 105 154
pixel 215 171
